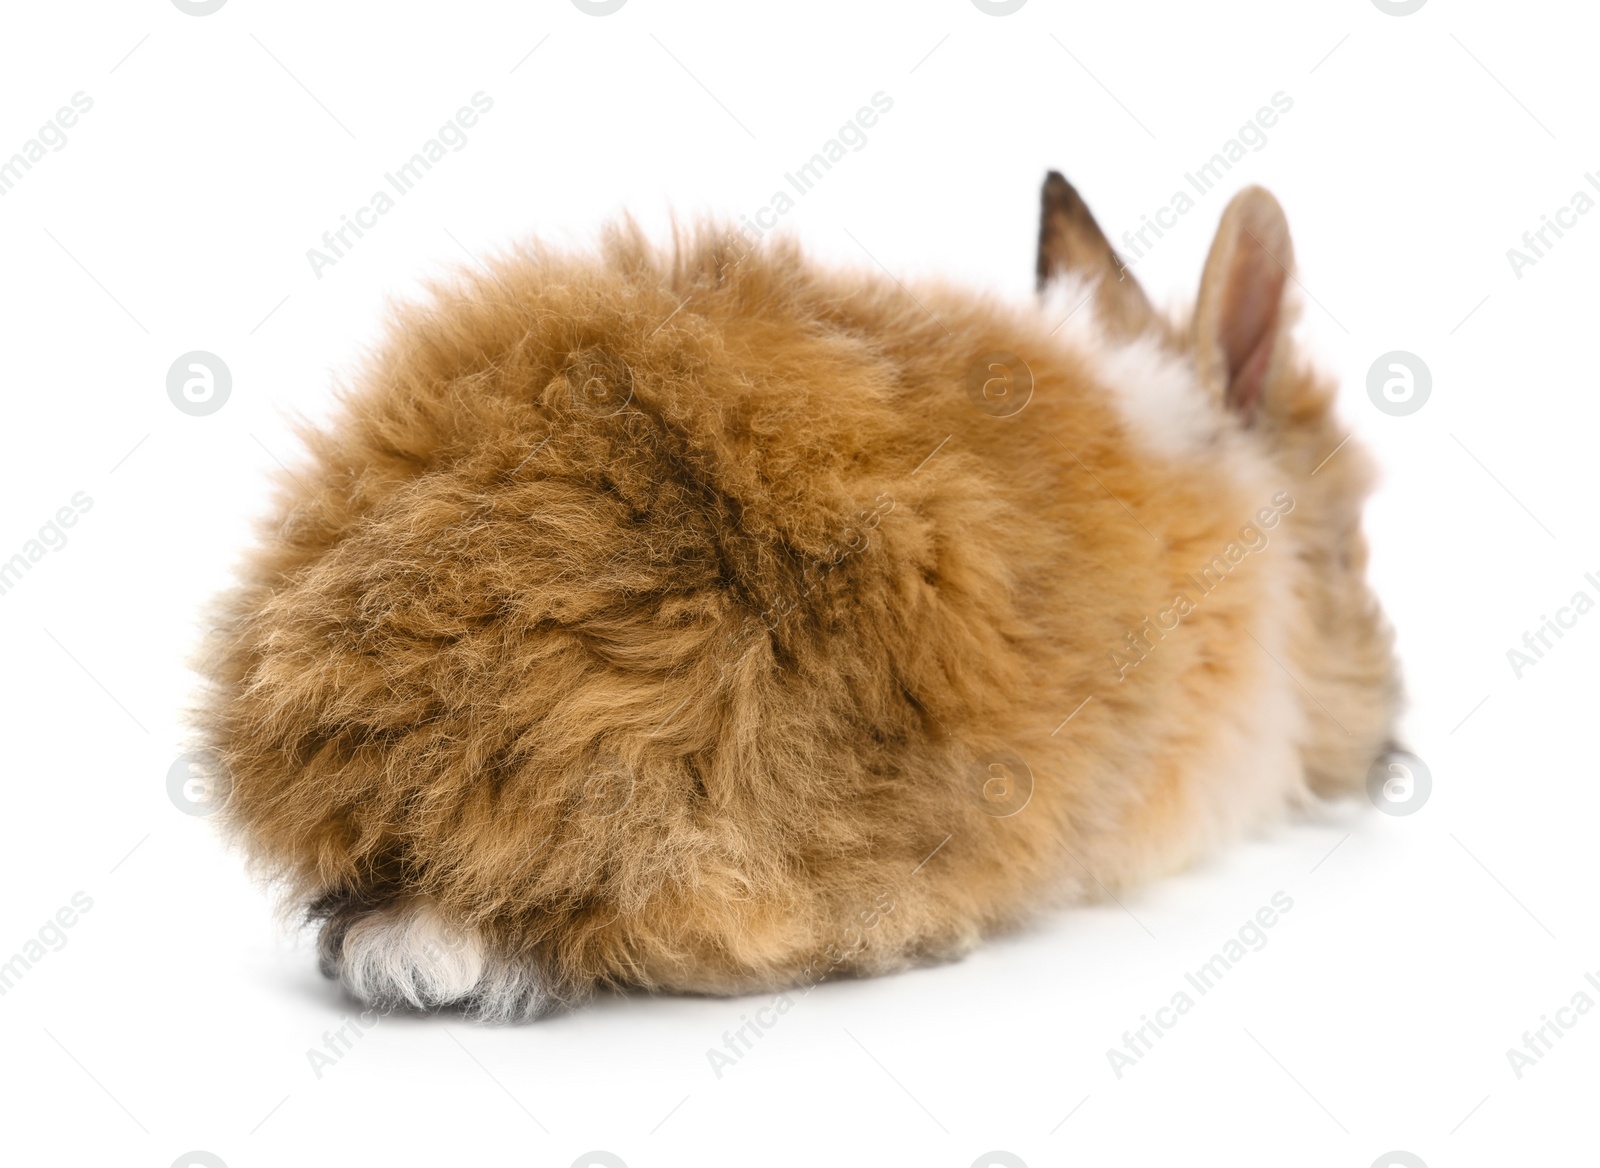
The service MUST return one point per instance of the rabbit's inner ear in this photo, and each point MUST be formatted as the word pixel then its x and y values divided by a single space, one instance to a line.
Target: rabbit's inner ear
pixel 1071 243
pixel 1240 313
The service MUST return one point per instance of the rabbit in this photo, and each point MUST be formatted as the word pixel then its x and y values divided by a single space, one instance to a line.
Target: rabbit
pixel 696 619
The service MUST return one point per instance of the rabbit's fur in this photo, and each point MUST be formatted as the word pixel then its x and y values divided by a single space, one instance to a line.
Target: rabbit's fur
pixel 678 619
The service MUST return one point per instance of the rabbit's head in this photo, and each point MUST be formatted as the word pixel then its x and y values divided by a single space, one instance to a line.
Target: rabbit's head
pixel 1258 395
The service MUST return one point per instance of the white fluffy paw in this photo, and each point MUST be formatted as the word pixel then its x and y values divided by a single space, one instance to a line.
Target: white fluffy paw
pixel 407 955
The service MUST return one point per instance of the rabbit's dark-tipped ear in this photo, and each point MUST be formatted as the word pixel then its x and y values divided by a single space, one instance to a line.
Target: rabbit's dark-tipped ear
pixel 1071 241
pixel 1240 315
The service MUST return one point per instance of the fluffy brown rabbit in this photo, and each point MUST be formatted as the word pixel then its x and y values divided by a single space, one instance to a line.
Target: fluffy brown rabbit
pixel 705 620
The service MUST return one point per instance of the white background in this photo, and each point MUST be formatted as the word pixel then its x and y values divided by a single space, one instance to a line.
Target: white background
pixel 177 217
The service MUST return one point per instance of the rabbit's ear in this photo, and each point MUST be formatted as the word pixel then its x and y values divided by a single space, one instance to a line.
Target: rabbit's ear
pixel 1240 314
pixel 1071 241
